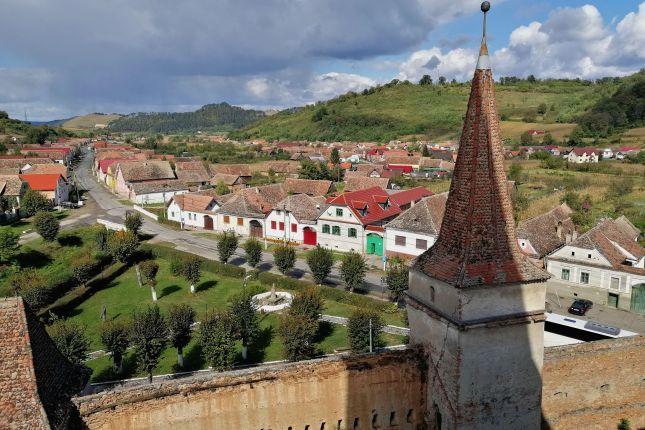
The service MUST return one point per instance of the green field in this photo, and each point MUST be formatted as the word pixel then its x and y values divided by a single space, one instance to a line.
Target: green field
pixel 407 110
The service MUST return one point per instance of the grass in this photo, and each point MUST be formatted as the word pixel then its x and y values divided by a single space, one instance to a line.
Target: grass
pixel 88 122
pixel 513 129
pixel 26 224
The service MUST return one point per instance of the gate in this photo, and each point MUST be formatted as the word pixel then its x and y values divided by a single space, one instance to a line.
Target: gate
pixel 638 299
pixel 309 236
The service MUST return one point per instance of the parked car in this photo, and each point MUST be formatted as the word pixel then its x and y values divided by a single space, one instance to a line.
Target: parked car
pixel 580 306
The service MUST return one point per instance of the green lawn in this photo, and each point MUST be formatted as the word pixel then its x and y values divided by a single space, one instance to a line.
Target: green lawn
pixel 25 224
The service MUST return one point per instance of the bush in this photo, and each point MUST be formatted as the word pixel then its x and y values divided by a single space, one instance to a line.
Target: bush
pixel 226 245
pixel 71 341
pixel 46 225
pixel 32 286
pixel 253 250
pixel 284 257
pixel 149 269
pixel 297 334
pixel 307 303
pixel 8 243
pixel 133 222
pixel 176 259
pixel 176 266
pixel 115 336
pixel 358 330
pixel 352 270
pixel 217 339
pixel 122 245
pixel 83 268
pixel 101 235
pixel 33 202
pixel 320 261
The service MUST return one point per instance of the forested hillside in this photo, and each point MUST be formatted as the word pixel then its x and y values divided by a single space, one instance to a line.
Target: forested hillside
pixel 28 133
pixel 403 109
pixel 212 117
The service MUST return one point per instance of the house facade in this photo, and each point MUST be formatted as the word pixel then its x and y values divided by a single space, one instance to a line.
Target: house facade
pixel 583 155
pixel 193 210
pixel 154 192
pixel 604 265
pixel 53 186
pixel 294 219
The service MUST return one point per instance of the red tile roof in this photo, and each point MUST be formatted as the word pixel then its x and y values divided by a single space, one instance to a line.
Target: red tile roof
pixel 582 151
pixel 104 164
pixel 44 182
pixel 477 244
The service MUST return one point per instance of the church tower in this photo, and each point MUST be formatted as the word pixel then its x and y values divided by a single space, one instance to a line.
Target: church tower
pixel 475 303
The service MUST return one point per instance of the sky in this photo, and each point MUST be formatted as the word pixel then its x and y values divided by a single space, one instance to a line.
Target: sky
pixel 60 58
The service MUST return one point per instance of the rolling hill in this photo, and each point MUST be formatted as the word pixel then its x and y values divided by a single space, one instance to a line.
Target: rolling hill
pixel 90 121
pixel 212 117
pixel 403 110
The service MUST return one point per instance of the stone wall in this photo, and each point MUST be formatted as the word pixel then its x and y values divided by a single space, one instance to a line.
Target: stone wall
pixel 593 385
pixel 384 390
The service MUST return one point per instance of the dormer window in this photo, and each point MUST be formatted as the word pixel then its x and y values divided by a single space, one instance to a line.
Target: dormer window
pixel 339 212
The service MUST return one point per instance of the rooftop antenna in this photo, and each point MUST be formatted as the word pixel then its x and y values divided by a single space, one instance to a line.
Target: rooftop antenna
pixel 483 61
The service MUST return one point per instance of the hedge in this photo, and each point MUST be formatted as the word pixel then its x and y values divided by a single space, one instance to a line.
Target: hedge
pixel 216 267
pixel 340 296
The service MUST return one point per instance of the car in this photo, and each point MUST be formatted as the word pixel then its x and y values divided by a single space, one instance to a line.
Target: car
pixel 580 306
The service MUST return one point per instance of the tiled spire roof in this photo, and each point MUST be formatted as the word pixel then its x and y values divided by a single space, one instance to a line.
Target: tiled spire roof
pixel 477 244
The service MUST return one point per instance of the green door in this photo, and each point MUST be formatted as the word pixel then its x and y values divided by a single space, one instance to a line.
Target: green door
pixel 374 244
pixel 612 300
pixel 638 299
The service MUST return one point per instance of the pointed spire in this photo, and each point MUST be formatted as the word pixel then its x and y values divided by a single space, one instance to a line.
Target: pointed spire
pixel 483 61
pixel 477 244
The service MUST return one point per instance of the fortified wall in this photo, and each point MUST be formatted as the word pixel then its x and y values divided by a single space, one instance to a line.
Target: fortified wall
pixel 383 390
pixel 590 386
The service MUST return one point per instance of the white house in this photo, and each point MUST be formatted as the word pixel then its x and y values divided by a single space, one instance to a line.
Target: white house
pixel 153 192
pixel 605 265
pixel 417 229
pixel 294 219
pixel 607 153
pixel 193 210
pixel 583 155
pixel 543 234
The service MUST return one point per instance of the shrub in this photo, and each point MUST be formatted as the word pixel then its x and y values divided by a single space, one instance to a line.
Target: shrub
pixel 176 265
pixel 284 257
pixel 320 261
pixel 101 235
pixel 122 245
pixel 8 243
pixel 307 303
pixel 46 225
pixel 217 338
pixel 32 286
pixel 177 257
pixel 359 324
pixel 83 268
pixel 396 278
pixel 70 339
pixel 253 250
pixel 33 202
pixel 133 222
pixel 226 245
pixel 148 335
pixel 352 270
pixel 297 333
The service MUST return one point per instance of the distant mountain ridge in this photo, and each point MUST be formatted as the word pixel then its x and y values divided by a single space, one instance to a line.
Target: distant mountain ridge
pixel 211 117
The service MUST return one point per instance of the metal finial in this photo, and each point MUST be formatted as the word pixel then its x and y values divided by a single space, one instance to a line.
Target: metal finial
pixel 485 6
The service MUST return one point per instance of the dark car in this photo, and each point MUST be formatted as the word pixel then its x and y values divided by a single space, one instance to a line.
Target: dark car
pixel 580 306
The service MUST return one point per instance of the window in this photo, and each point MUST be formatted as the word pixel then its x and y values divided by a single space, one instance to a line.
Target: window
pixel 294 228
pixel 351 232
pixel 227 219
pixel 588 255
pixel 273 225
pixel 573 253
pixel 422 244
pixel 614 283
pixel 335 230
pixel 565 274
pixel 281 226
pixel 399 240
pixel 339 212
pixel 240 221
pixel 172 214
pixel 325 228
pixel 584 277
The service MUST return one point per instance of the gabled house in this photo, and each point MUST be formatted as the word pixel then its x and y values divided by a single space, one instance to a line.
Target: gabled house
pixel 543 234
pixel 294 219
pixel 354 221
pixel 53 186
pixel 605 265
pixel 607 153
pixel 583 155
pixel 624 151
pixel 241 170
pixel 193 210
pixel 311 187
pixel 363 183
pixel 12 188
pixel 415 230
pixel 233 182
pixel 244 212
pixel 370 170
pixel 58 154
pixel 103 173
pixel 129 172
pixel 155 191
pixel 49 168
pixel 192 173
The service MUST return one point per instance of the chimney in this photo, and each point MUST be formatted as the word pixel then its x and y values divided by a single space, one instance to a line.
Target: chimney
pixel 558 230
pixel 574 235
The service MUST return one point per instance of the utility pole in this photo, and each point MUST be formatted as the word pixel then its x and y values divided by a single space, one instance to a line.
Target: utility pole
pixel 371 350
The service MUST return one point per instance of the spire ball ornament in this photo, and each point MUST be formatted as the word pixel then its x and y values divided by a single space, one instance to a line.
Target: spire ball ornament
pixel 485 6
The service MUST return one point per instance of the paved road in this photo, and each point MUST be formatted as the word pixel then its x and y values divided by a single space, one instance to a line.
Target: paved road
pixel 190 242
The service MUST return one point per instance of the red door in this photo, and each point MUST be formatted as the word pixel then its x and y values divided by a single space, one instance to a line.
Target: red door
pixel 309 236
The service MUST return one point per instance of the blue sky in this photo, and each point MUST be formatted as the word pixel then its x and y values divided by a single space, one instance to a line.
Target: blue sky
pixel 66 57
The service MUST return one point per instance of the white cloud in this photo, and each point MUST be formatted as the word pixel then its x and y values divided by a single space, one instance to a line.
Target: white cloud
pixel 457 63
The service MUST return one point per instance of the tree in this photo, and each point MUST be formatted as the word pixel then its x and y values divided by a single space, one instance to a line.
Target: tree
pixel 425 152
pixel 297 333
pixel 221 188
pixel 37 135
pixel 192 271
pixel 320 261
pixel 542 108
pixel 148 270
pixel 361 325
pixel 442 80
pixel 46 225
pixel 253 250
pixel 115 336
pixel 624 424
pixel 70 339
pixel 576 136
pixel 8 243
pixel 149 333
pixel 515 173
pixel 180 321
pixel 83 268
pixel 101 235
pixel 32 286
pixel 396 278
pixel 226 245
pixel 307 303
pixel 335 156
pixel 247 325
pixel 548 139
pixel 122 245
pixel 352 270
pixel 217 338
pixel 526 138
pixel 425 80
pixel 133 222
pixel 33 202
pixel 284 257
